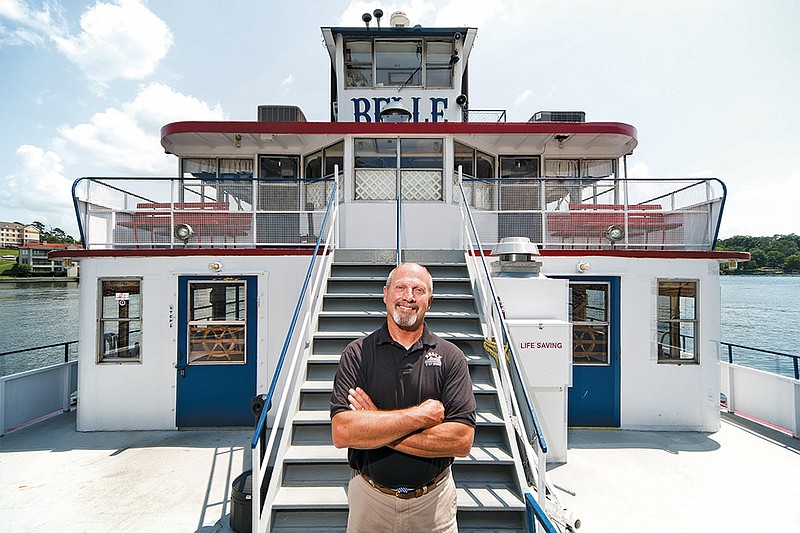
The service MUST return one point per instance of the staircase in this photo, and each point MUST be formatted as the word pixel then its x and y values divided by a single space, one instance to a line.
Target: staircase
pixel 307 489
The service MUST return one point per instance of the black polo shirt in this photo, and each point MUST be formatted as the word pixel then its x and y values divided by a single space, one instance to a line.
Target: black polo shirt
pixel 396 378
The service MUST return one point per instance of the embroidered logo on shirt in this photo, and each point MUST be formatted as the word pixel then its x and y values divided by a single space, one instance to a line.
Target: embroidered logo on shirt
pixel 433 359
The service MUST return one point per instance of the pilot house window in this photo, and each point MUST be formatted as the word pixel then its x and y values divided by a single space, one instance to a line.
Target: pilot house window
pixel 399 63
pixel 677 321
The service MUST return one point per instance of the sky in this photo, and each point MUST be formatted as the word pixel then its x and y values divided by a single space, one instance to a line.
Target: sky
pixel 711 85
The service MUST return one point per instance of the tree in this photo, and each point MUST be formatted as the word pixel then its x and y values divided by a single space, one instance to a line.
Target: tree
pixel 51 234
pixel 792 262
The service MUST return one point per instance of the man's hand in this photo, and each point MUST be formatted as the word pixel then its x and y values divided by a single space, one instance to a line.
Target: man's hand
pixel 360 400
pixel 429 413
pixel 367 427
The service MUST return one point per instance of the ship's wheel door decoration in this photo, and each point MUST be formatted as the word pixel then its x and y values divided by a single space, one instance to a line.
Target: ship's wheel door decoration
pixel 594 311
pixel 216 370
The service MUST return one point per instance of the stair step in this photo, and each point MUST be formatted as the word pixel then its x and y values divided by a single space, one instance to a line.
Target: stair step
pixel 356 334
pixel 479 454
pixel 331 344
pixel 486 415
pixel 355 314
pixel 475 496
pixel 334 519
pixel 327 386
pixel 333 358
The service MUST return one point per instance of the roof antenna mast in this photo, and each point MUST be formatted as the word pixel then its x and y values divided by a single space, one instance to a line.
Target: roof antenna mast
pixel 378 13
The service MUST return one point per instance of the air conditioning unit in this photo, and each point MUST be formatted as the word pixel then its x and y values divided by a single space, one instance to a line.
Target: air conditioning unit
pixel 280 113
pixel 558 116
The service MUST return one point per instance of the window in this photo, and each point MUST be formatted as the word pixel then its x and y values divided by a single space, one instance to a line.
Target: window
pixel 419 162
pixel 438 66
pixel 474 164
pixel 217 325
pixel 677 321
pixel 120 321
pixel 589 312
pixel 399 63
pixel 358 63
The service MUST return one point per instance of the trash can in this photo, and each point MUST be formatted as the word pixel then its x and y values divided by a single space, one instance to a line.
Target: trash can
pixel 242 503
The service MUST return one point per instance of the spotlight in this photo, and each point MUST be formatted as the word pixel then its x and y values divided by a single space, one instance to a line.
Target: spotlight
pixel 183 232
pixel 615 233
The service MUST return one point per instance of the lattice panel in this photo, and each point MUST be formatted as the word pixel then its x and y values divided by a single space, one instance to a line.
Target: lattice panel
pixel 317 194
pixel 424 185
pixel 375 184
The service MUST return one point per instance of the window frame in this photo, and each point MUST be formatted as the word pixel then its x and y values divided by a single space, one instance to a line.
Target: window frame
pixel 695 322
pixel 605 323
pixel 101 353
pixel 371 66
pixel 203 323
pixel 399 166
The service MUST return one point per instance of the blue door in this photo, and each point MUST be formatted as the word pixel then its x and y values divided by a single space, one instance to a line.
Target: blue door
pixel 595 315
pixel 216 351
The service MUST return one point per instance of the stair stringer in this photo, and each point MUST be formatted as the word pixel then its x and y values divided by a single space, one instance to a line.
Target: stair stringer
pixel 293 390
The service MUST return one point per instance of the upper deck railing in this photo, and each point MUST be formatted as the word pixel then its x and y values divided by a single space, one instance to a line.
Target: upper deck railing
pixel 179 212
pixel 654 214
pixel 555 213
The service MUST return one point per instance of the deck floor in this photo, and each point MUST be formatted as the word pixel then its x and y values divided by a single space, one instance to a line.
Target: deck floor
pixel 53 478
pixel 743 478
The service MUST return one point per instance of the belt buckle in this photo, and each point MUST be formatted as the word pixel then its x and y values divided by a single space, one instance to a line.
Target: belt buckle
pixel 402 490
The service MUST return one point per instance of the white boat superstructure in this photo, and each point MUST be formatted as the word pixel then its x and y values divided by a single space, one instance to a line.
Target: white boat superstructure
pixel 581 297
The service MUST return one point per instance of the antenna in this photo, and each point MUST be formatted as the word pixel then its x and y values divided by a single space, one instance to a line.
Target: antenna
pixel 378 13
pixel 366 17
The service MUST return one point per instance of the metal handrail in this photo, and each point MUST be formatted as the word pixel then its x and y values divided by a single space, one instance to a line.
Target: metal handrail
pixel 399 223
pixel 536 432
pixel 64 344
pixel 264 455
pixel 534 510
pixel 731 346
pixel 711 200
pixel 80 204
pixel 531 427
pixel 263 417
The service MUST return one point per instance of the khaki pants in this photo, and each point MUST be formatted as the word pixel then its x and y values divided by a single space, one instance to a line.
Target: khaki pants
pixel 374 512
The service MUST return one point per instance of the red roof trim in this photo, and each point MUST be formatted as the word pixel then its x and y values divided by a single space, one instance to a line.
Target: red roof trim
pixel 184 252
pixel 384 128
pixel 643 254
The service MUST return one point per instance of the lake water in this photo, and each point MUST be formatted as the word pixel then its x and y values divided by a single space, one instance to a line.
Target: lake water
pixel 757 311
pixel 37 314
pixel 762 312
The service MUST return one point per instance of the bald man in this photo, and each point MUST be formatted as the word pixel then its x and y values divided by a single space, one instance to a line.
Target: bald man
pixel 403 405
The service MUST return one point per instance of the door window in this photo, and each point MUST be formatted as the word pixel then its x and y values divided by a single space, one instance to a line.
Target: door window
pixel 217 322
pixel 589 312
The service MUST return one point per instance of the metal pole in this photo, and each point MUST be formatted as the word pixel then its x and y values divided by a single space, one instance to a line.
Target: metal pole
pixel 66 353
pixel 730 354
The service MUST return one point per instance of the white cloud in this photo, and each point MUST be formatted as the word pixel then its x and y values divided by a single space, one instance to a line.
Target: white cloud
pixel 123 39
pixel 122 141
pixel 639 170
pixel 28 25
pixel 38 189
pixel 127 140
pixel 523 97
pixel 286 84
